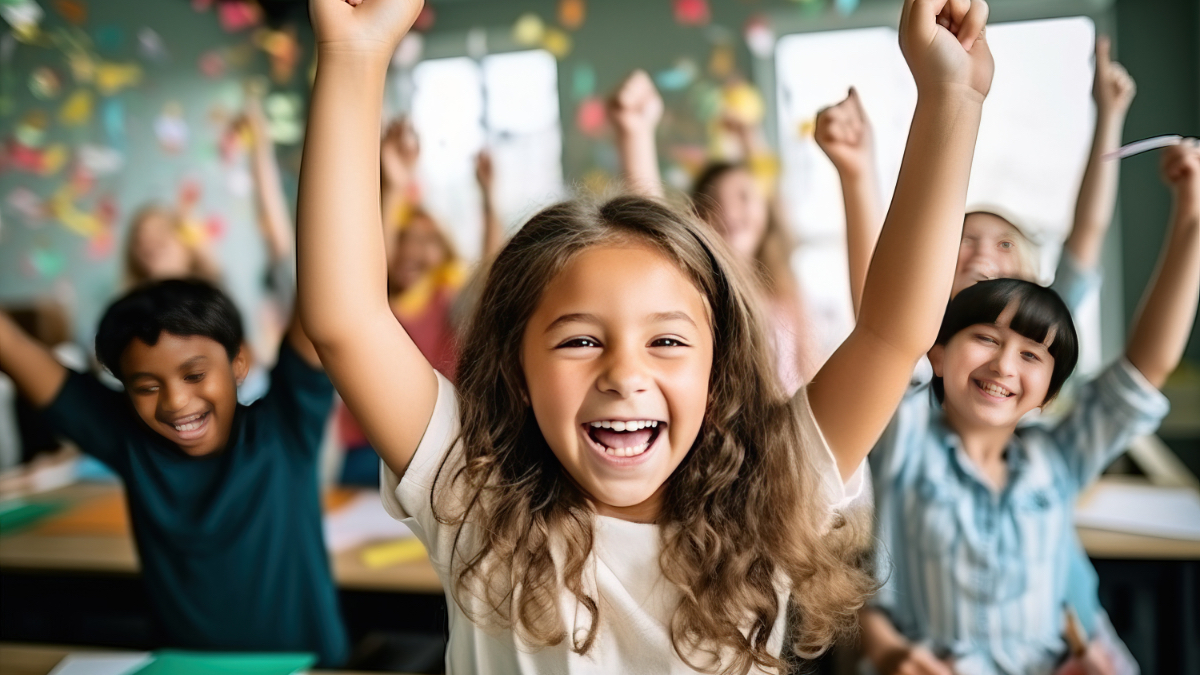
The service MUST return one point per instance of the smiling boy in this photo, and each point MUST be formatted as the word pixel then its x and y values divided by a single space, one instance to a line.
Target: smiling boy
pixel 223 498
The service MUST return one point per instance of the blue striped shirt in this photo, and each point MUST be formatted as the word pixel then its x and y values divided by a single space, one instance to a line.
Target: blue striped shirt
pixel 979 574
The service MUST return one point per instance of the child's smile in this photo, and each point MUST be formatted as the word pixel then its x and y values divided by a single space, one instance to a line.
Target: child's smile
pixel 617 358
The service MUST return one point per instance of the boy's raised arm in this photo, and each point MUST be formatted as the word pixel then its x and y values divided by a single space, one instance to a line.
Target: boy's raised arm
pixel 1164 320
pixel 37 374
pixel 856 392
pixel 1113 91
pixel 384 379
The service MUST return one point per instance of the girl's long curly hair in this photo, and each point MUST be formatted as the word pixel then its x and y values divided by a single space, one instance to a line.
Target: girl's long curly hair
pixel 743 515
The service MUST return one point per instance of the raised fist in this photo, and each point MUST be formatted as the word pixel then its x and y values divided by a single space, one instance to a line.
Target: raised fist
pixel 844 134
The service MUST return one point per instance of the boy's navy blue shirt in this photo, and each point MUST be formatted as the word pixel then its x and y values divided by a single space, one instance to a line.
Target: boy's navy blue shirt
pixel 231 544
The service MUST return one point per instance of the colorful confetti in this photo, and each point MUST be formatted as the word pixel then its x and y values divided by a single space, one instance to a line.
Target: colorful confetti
pixel 557 43
pixel 583 81
pixel 529 30
pixel 760 39
pixel 283 118
pixel 24 17
pixel 44 83
pixel 425 20
pixel 99 159
pixel 151 46
pixel 679 77
pixel 71 10
pixel 572 13
pixel 692 12
pixel 237 15
pixel 113 77
pixel 171 129
pixel 212 64
pixel 591 117
pixel 77 109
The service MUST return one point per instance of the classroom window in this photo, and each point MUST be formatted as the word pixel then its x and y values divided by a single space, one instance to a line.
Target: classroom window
pixel 1033 142
pixel 505 102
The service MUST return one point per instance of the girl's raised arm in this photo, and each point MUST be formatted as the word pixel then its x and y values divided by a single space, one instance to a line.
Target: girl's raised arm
pixel 384 379
pixel 856 392
pixel 635 109
pixel 1164 321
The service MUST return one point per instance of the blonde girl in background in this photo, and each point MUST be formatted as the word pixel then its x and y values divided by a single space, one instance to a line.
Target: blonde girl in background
pixel 619 483
pixel 740 203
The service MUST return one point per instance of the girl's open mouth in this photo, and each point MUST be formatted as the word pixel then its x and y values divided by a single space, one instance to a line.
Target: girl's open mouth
pixel 624 438
pixel 992 389
pixel 191 427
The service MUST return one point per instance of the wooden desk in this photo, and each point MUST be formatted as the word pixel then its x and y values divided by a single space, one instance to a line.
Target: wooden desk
pixel 28 659
pixel 110 553
pixel 1113 545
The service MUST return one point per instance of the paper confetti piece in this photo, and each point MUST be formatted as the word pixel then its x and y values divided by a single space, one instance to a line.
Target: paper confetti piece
pixel 212 64
pixel 692 12
pixel 678 77
pixel 171 129
pixel 238 181
pixel 62 207
pixel 283 118
pixel 237 15
pixel 71 10
pixel 100 160
pixel 1138 147
pixel 425 20
pixel 113 117
pixel 845 7
pixel 583 81
pixel 44 83
pixel 24 17
pixel 83 68
pixel 721 62
pixel 27 203
pixel 113 77
pixel 591 116
pixel 77 110
pixel 557 43
pixel 743 102
pixel 110 37
pixel 151 46
pixel 283 50
pixel 572 13
pixel 529 30
pixel 391 553
pixel 760 39
pixel 31 130
pixel 47 263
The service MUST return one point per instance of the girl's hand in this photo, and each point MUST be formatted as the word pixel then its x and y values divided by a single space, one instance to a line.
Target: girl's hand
pixel 368 27
pixel 844 134
pixel 1181 171
pixel 635 107
pixel 1113 87
pixel 944 44
pixel 1095 661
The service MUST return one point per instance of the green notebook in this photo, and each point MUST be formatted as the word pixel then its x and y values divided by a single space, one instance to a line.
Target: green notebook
pixel 169 662
pixel 18 514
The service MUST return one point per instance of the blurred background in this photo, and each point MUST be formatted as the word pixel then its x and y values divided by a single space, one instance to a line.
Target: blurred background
pixel 107 105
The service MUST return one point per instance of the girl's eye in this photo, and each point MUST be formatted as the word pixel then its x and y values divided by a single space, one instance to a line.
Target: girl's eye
pixel 1006 245
pixel 579 343
pixel 1031 356
pixel 986 338
pixel 668 342
pixel 145 390
pixel 194 377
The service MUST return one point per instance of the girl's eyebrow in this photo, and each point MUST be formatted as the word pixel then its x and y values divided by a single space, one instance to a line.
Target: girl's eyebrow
pixel 591 318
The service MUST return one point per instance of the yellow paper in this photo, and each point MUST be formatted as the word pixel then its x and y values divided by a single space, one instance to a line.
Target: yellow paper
pixel 393 553
pixel 77 110
pixel 62 205
pixel 53 160
pixel 557 43
pixel 528 30
pixel 113 77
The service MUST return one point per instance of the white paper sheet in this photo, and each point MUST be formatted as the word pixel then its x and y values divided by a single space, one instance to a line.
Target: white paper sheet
pixel 100 663
pixel 360 521
pixel 1171 512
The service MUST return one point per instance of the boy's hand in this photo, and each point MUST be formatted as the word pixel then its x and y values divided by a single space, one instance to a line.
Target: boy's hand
pixel 914 660
pixel 844 134
pixel 369 27
pixel 1095 661
pixel 944 44
pixel 1113 87
pixel 1181 171
pixel 635 107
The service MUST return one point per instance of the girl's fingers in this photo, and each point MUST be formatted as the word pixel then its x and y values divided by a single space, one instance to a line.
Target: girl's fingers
pixel 973 23
pixel 1103 50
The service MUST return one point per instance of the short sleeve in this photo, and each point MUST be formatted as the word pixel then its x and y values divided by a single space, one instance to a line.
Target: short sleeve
pixel 301 395
pixel 1109 412
pixel 837 494
pixel 96 418
pixel 1072 283
pixel 898 443
pixel 409 498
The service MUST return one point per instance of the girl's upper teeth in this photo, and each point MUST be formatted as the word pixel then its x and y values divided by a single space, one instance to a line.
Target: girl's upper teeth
pixel 621 425
pixel 995 389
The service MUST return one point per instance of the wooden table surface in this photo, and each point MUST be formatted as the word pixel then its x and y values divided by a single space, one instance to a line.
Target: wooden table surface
pixel 106 552
pixel 29 659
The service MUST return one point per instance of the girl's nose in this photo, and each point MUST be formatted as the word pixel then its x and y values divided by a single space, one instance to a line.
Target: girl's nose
pixel 623 374
pixel 174 398
pixel 1004 360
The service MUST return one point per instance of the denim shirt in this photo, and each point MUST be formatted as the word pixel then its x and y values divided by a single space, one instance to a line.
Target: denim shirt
pixel 982 575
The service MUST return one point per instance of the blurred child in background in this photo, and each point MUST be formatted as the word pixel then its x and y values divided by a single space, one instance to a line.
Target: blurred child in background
pixel 740 205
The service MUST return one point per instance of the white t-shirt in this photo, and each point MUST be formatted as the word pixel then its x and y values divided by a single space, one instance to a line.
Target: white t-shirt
pixel 636 601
